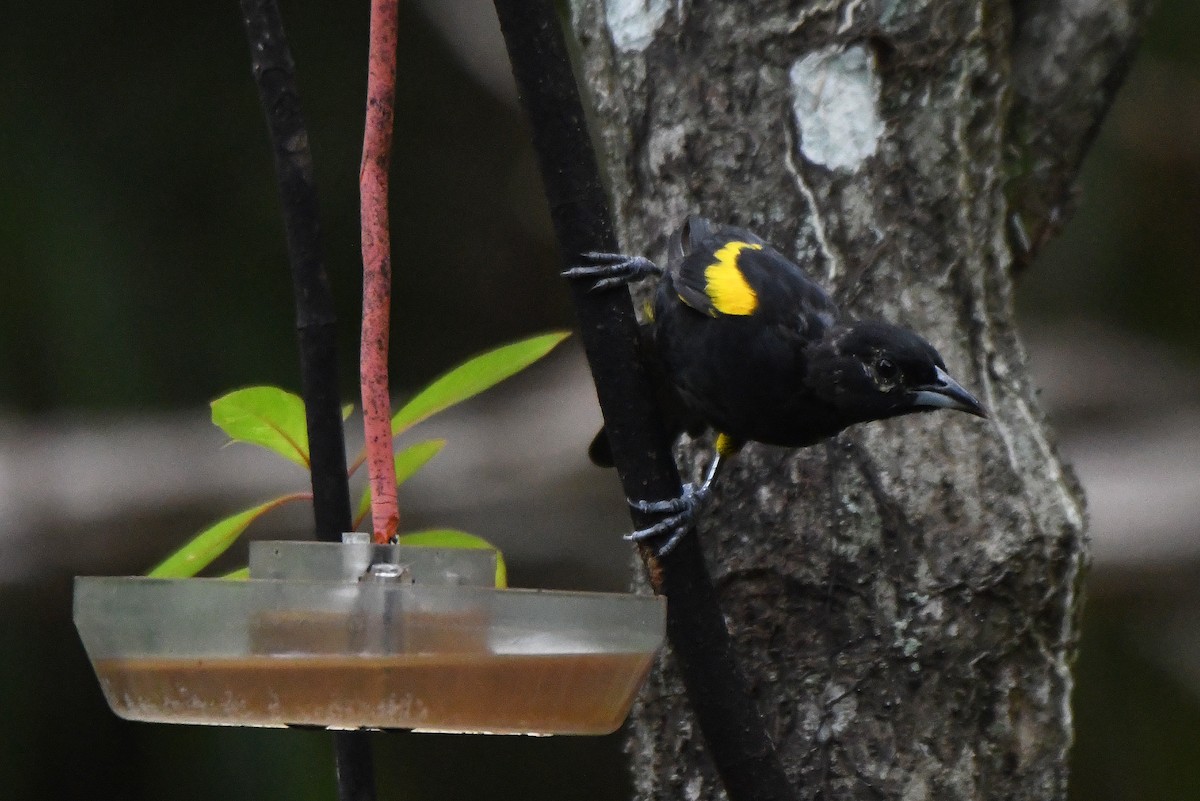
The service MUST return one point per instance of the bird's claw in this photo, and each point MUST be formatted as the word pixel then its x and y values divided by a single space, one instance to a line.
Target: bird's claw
pixel 610 270
pixel 677 525
pixel 681 511
pixel 689 497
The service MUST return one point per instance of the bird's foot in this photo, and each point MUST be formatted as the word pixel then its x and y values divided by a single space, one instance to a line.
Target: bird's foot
pixel 610 270
pixel 680 513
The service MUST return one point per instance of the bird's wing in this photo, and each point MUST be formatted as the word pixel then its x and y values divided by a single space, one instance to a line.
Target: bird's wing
pixel 787 295
pixel 731 272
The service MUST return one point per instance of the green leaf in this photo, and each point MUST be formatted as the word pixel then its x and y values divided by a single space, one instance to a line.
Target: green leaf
pixel 347 410
pixel 474 376
pixel 452 538
pixel 241 574
pixel 414 457
pixel 202 549
pixel 265 416
pixel 408 462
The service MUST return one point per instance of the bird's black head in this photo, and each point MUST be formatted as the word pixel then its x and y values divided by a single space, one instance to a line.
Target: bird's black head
pixel 872 370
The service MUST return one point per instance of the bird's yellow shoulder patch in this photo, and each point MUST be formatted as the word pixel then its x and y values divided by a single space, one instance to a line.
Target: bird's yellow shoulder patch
pixel 727 445
pixel 725 284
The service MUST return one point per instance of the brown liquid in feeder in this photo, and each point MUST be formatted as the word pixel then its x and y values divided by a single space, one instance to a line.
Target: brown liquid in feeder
pixel 437 692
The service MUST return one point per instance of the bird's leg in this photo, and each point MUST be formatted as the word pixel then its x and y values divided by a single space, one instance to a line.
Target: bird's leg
pixel 682 510
pixel 610 270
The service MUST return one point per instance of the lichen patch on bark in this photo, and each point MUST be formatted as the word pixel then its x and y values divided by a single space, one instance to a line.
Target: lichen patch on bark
pixel 835 101
pixel 633 23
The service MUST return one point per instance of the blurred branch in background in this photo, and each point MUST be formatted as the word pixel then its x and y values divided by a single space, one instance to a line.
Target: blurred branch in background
pixel 1128 418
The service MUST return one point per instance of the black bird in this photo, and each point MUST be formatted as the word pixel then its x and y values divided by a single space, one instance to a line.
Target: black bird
pixel 742 340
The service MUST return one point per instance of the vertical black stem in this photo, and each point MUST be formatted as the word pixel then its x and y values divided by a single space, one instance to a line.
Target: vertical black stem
pixel 274 74
pixel 734 732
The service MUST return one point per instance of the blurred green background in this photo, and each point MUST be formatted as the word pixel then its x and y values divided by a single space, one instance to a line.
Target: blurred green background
pixel 144 273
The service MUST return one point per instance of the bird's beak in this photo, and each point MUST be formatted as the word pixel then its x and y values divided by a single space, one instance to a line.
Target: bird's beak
pixel 946 393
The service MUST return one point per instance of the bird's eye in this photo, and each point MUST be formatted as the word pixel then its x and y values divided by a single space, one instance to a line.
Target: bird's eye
pixel 887 374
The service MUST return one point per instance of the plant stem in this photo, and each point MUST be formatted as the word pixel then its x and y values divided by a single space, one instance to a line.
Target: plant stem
pixel 734 733
pixel 377 268
pixel 275 77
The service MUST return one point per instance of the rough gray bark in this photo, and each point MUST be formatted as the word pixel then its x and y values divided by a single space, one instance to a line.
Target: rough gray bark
pixel 904 598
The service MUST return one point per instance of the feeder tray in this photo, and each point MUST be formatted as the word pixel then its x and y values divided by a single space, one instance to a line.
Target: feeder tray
pixel 355 635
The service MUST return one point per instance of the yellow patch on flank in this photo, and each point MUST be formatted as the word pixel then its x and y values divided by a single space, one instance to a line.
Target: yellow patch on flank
pixel 724 283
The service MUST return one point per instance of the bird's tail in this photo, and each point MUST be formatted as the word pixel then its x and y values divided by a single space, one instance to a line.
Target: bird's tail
pixel 675 412
pixel 600 452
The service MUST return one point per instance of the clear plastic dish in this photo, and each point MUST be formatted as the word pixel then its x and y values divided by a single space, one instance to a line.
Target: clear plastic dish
pixel 367 654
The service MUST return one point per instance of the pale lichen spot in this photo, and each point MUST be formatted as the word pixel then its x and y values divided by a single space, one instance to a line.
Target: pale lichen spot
pixel 633 23
pixel 835 100
pixel 725 284
pixel 666 145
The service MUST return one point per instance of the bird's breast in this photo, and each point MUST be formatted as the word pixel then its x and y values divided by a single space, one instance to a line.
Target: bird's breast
pixel 746 376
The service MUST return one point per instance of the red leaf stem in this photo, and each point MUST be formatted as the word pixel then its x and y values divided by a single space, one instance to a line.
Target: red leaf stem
pixel 377 268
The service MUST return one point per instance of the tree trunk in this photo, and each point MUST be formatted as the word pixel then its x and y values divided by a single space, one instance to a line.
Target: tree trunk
pixel 905 598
